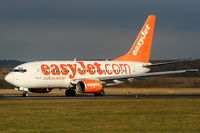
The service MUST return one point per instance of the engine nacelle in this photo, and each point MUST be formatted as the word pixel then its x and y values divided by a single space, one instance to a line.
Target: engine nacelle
pixel 89 86
pixel 40 90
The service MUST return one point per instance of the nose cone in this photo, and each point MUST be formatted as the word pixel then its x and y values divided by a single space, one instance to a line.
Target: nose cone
pixel 10 78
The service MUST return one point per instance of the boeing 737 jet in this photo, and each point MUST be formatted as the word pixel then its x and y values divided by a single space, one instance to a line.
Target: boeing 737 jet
pixel 89 76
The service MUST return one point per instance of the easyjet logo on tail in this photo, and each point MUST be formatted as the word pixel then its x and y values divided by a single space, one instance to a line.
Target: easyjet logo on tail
pixel 142 37
pixel 141 48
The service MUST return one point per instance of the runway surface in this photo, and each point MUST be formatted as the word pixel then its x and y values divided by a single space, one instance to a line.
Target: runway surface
pixel 99 97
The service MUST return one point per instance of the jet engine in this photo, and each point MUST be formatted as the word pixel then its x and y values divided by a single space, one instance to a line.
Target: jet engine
pixel 40 90
pixel 89 86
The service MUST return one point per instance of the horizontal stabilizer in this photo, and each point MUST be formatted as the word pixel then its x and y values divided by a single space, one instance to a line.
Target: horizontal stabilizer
pixel 167 63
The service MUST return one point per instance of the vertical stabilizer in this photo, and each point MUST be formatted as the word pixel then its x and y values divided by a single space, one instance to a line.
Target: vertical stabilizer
pixel 141 49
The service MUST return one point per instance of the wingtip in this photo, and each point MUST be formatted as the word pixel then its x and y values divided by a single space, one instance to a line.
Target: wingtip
pixel 192 70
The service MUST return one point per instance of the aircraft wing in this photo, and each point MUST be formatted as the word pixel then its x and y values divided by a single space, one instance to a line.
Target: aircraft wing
pixel 146 74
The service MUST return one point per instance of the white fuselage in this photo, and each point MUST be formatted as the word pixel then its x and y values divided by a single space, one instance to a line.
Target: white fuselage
pixel 51 74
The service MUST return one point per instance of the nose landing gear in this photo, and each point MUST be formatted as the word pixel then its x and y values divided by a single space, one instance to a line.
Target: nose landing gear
pixel 25 94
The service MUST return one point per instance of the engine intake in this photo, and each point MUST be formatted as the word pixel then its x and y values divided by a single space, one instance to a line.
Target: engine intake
pixel 89 86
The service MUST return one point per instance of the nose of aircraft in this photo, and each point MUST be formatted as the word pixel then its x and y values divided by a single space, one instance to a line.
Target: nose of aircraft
pixel 10 78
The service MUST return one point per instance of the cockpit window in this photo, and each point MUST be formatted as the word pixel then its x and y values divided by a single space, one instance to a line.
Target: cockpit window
pixel 16 70
pixel 19 70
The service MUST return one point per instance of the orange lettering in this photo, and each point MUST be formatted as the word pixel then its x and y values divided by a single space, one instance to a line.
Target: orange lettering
pixel 116 68
pixel 108 70
pixel 83 70
pixel 91 69
pixel 45 69
pixel 64 71
pixel 126 68
pixel 98 68
pixel 55 70
pixel 73 70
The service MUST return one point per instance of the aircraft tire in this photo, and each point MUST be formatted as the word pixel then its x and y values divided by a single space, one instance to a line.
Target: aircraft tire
pixel 25 94
pixel 101 93
pixel 70 92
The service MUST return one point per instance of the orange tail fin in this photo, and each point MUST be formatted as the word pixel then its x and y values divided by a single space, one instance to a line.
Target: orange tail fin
pixel 141 49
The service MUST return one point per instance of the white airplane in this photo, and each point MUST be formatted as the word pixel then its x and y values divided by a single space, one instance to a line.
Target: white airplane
pixel 89 76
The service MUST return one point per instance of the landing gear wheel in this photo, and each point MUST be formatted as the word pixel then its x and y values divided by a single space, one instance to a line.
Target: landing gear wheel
pixel 101 93
pixel 70 92
pixel 25 94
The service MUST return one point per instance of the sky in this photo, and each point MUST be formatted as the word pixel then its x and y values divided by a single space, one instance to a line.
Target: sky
pixel 33 30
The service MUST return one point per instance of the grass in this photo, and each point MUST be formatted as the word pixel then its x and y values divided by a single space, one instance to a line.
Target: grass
pixel 106 115
pixel 101 115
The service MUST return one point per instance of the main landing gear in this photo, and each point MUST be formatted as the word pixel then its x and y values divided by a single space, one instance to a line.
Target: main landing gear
pixel 101 93
pixel 70 92
pixel 25 94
